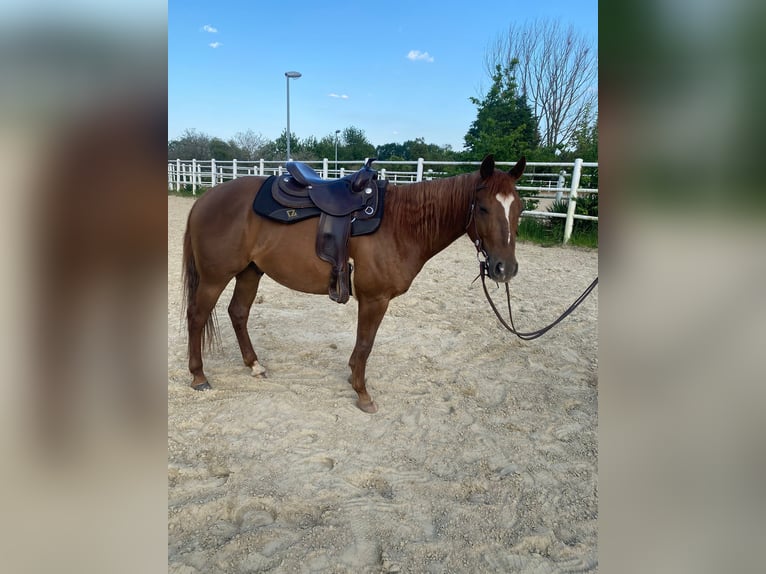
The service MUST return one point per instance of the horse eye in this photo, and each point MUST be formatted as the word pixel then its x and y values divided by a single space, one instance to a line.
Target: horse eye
pixel 483 209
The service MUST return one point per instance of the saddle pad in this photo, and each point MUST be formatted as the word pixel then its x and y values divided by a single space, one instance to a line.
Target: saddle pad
pixel 265 206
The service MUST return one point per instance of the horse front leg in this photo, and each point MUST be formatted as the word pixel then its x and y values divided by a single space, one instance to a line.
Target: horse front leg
pixel 371 312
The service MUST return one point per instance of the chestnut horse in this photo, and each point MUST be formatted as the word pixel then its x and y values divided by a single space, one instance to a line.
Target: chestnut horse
pixel 226 239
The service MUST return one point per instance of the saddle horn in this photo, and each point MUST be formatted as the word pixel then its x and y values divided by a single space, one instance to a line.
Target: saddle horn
pixel 364 177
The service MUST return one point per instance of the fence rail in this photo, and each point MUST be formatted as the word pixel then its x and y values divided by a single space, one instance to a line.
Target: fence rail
pixel 552 181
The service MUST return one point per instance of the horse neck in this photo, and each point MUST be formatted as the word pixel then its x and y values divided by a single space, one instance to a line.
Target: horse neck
pixel 431 215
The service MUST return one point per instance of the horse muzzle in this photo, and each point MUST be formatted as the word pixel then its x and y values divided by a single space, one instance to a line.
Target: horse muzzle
pixel 501 271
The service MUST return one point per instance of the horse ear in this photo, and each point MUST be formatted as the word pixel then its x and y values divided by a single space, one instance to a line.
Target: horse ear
pixel 518 169
pixel 487 166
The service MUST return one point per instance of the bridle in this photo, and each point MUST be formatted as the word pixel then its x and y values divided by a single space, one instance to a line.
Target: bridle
pixel 480 251
pixel 481 255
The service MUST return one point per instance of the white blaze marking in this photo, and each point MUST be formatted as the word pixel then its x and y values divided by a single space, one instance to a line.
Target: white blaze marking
pixel 506 203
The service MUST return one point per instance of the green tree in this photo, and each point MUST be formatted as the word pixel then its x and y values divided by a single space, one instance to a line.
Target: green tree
pixel 391 151
pixel 324 148
pixel 307 149
pixel 411 150
pixel 279 150
pixel 225 151
pixel 191 145
pixel 504 124
pixel 355 145
pixel 584 142
pixel 557 74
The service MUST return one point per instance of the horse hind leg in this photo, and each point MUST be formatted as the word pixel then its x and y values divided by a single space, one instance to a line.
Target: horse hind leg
pixel 245 290
pixel 201 325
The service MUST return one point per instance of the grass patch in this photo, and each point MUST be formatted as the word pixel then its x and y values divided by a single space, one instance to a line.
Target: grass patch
pixel 549 232
pixel 538 231
pixel 585 238
pixel 186 191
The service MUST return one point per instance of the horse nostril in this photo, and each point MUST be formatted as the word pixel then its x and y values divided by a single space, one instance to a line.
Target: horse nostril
pixel 515 269
pixel 499 269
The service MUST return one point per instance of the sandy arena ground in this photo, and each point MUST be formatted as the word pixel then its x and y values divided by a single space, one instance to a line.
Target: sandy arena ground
pixel 481 458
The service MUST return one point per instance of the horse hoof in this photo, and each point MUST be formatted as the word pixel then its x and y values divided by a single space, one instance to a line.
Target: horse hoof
pixel 258 371
pixel 203 387
pixel 368 407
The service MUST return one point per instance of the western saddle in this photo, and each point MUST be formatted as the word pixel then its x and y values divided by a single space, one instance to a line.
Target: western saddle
pixel 339 203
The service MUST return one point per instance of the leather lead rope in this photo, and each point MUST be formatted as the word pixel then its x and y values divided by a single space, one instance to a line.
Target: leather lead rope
pixel 512 328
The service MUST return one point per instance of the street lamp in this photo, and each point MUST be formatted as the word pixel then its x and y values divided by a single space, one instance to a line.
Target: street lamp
pixel 336 150
pixel 289 75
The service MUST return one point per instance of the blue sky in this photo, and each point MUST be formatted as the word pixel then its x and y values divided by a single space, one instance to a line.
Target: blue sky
pixel 398 70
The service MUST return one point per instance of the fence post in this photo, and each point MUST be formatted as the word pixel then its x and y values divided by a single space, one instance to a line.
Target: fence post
pixel 576 172
pixel 383 173
pixel 234 169
pixel 560 184
pixel 419 176
pixel 325 167
pixel 194 177
pixel 178 175
pixel 212 173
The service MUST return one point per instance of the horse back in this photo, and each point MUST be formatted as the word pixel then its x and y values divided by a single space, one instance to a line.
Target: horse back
pixel 219 222
pixel 223 202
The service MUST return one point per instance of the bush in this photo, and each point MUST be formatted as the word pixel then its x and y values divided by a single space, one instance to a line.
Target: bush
pixel 529 199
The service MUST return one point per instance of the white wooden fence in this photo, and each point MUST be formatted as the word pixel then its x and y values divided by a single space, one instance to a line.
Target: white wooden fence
pixel 551 180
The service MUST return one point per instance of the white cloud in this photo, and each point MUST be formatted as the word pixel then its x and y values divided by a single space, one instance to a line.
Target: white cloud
pixel 415 55
pixel 215 44
pixel 340 96
pixel 209 28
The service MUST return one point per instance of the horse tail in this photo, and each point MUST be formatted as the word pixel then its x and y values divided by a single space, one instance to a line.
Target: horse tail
pixel 191 280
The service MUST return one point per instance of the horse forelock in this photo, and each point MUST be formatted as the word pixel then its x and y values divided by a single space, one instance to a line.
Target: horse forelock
pixel 502 184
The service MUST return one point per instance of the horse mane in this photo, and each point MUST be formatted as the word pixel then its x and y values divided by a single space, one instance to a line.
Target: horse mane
pixel 428 208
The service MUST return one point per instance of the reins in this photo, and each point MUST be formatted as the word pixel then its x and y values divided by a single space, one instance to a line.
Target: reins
pixel 512 328
pixel 481 254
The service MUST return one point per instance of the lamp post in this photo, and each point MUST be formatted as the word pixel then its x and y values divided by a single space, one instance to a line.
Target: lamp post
pixel 289 75
pixel 336 150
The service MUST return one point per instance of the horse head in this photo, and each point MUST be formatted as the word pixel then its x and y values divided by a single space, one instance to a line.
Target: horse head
pixel 496 211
